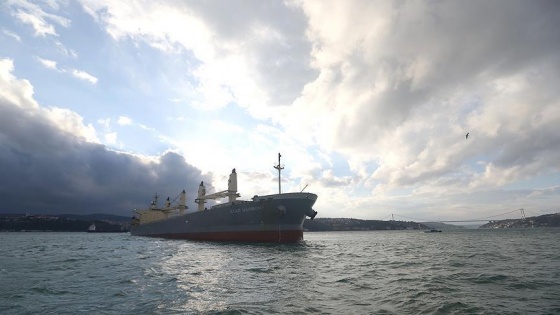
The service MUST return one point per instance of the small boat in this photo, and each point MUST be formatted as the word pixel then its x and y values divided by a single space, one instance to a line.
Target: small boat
pixel 432 231
pixel 91 228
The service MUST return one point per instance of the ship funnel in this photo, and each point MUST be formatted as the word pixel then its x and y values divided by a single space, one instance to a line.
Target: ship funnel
pixel 311 213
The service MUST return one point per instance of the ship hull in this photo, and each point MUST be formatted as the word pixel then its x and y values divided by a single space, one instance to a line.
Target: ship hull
pixel 272 218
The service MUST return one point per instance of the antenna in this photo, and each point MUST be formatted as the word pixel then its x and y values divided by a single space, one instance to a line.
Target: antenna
pixel 279 167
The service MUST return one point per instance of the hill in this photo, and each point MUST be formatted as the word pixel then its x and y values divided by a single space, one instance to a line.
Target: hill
pixel 546 220
pixel 62 223
pixel 96 216
pixel 345 224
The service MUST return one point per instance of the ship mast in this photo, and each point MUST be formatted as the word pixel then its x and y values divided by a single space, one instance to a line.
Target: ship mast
pixel 279 167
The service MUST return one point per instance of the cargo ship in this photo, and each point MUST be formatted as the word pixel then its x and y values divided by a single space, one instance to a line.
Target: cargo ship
pixel 270 218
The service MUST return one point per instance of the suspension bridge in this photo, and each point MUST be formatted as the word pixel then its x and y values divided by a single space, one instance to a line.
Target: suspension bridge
pixel 485 219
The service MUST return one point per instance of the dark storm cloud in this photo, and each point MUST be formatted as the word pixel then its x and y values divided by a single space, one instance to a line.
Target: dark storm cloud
pixel 45 170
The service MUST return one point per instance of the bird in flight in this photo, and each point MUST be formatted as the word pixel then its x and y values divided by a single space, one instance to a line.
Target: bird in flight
pixel 467 136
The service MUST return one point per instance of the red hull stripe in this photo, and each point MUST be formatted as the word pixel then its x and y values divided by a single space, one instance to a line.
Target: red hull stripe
pixel 245 236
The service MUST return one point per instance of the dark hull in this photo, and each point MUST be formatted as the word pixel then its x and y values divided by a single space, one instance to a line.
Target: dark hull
pixel 273 218
pixel 284 236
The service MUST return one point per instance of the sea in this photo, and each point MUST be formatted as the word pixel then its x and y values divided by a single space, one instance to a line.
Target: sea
pixel 503 271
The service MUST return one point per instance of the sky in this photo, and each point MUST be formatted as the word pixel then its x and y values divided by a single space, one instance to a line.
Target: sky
pixel 104 103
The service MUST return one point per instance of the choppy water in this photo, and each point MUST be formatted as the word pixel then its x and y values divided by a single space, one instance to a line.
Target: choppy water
pixel 389 272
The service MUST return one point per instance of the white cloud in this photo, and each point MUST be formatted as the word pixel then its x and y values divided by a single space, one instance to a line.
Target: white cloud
pixel 66 51
pixel 389 93
pixel 41 27
pixel 145 127
pixel 247 62
pixel 79 74
pixel 82 75
pixel 20 93
pixel 111 138
pixel 35 16
pixel 11 34
pixel 124 121
pixel 105 123
pixel 71 122
pixel 49 64
pixel 15 91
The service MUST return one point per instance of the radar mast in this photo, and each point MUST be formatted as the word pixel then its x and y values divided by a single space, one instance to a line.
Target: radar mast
pixel 279 167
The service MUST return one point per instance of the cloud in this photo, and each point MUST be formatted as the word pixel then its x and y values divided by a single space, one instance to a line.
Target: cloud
pixel 254 57
pixel 49 165
pixel 38 18
pixel 49 64
pixel 82 75
pixel 105 123
pixel 111 137
pixel 124 121
pixel 17 95
pixel 39 25
pixel 11 34
pixel 401 83
pixel 16 92
pixel 65 51
pixel 79 74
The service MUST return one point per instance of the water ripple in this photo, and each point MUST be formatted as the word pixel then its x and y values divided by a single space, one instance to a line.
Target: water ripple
pixel 393 272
